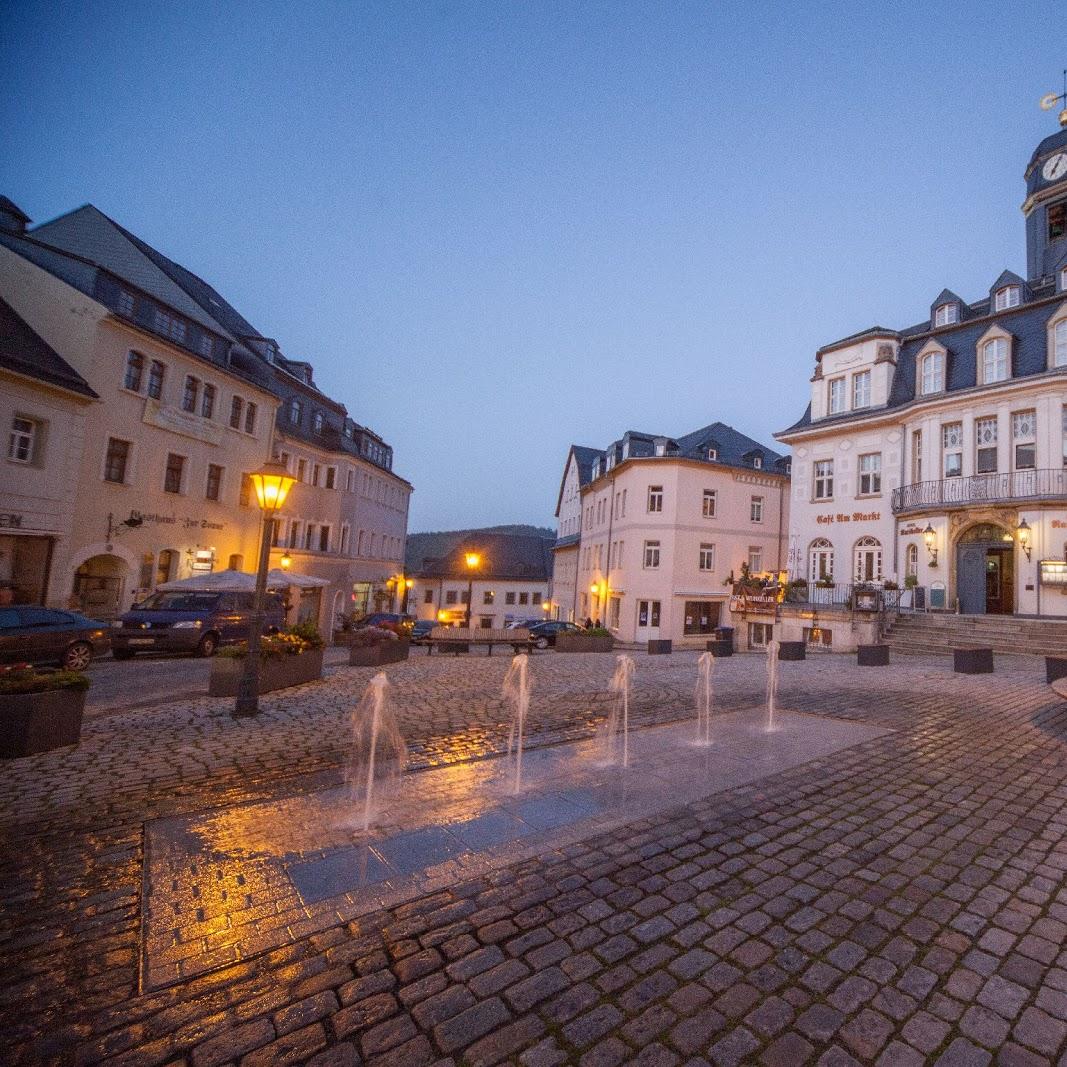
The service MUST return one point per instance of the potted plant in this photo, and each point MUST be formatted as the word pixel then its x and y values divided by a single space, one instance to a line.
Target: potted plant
pixel 796 592
pixel 372 646
pixel 594 639
pixel 291 657
pixel 39 709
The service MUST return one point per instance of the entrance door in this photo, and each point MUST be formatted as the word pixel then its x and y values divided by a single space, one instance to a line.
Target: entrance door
pixel 999 581
pixel 971 579
pixel 647 620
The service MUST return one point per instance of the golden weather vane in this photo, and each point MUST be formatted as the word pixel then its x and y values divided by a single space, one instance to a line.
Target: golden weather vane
pixel 1050 100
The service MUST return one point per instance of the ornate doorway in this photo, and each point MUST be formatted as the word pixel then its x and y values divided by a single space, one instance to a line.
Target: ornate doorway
pixel 985 571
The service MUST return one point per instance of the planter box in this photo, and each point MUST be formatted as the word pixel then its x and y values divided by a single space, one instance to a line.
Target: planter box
pixel 972 660
pixel 872 656
pixel 791 650
pixel 584 643
pixel 38 722
pixel 659 648
pixel 719 649
pixel 1055 668
pixel 276 673
pixel 383 652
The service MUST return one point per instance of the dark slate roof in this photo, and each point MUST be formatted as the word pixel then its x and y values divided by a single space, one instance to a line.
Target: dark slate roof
pixel 24 352
pixel 504 556
pixel 734 447
pixel 871 331
pixel 584 457
pixel 9 207
pixel 1049 144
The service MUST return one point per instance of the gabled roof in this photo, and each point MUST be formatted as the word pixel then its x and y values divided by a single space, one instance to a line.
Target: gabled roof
pixel 947 296
pixel 23 352
pixel 1007 277
pixel 584 458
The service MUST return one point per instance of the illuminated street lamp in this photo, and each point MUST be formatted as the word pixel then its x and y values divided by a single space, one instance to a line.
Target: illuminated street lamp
pixel 930 537
pixel 1023 530
pixel 286 561
pixel 473 561
pixel 272 483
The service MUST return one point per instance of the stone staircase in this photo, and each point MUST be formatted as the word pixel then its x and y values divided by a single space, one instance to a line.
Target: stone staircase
pixel 1002 633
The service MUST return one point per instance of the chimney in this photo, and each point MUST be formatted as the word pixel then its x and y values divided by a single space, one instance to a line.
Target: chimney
pixel 12 218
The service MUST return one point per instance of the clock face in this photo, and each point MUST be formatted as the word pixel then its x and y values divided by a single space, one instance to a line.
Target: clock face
pixel 1055 167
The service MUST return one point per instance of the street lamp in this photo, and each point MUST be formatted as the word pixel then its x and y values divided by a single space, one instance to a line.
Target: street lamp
pixel 473 561
pixel 1023 530
pixel 272 483
pixel 409 584
pixel 930 537
pixel 286 560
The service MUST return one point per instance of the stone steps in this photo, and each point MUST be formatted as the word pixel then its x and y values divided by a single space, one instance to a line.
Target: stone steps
pixel 1005 634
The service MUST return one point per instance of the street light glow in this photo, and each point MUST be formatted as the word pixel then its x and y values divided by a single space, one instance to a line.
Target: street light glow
pixel 272 483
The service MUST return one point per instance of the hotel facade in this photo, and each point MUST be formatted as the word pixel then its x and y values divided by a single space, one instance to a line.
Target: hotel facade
pixel 652 529
pixel 129 468
pixel 935 457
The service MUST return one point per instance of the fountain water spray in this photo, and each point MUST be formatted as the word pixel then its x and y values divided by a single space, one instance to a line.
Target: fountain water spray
pixel 618 724
pixel 378 753
pixel 772 684
pixel 517 694
pixel 704 697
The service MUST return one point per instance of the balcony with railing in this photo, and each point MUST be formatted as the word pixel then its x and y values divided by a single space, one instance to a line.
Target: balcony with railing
pixel 1011 487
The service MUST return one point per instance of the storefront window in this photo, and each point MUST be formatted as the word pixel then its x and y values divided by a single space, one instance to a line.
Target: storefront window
pixel 701 617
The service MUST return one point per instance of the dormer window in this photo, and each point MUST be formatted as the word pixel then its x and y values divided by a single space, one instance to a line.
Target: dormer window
pixel 596 469
pixel 318 422
pixel 611 460
pixel 1063 280
pixel 626 450
pixel 861 389
pixel 837 395
pixel 932 373
pixel 713 453
pixel 661 449
pixel 1007 297
pixel 757 462
pixel 946 314
pixel 296 411
pixel 995 361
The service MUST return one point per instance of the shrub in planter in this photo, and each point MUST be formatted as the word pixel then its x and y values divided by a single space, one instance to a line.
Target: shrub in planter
pixel 39 710
pixel 288 658
pixel 595 639
pixel 375 645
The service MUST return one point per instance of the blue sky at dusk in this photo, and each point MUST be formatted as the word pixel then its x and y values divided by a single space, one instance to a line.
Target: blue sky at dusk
pixel 496 229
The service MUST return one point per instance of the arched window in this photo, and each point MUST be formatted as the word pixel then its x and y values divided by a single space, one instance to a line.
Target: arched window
pixel 995 361
pixel 868 560
pixel 821 556
pixel 911 561
pixel 932 379
pixel 1059 343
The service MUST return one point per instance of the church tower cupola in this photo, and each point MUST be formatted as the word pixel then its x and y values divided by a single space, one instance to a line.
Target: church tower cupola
pixel 1046 198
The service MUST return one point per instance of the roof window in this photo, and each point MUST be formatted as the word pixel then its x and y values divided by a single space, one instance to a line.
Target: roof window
pixel 1006 297
pixel 946 314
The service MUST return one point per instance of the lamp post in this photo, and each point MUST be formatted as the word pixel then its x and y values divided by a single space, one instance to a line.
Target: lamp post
pixel 408 586
pixel 272 483
pixel 473 560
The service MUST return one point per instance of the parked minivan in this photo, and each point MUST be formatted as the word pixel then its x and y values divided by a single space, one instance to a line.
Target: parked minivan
pixel 187 621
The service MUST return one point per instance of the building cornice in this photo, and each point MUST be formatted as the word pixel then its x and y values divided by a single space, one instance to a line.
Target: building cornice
pixel 41 383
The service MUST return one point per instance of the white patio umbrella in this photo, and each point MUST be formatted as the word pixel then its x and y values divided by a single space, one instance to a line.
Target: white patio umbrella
pixel 231 581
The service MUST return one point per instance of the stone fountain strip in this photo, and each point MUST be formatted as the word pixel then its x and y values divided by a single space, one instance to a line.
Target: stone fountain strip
pixel 232 883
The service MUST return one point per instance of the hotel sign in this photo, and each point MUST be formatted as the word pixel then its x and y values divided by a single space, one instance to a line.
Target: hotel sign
pixel 153 518
pixel 856 516
pixel 753 605
pixel 183 422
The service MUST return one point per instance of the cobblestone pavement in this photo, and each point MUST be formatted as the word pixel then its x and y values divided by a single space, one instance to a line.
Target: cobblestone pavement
pixel 903 902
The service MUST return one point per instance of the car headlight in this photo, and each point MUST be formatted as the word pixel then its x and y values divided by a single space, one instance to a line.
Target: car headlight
pixel 188 624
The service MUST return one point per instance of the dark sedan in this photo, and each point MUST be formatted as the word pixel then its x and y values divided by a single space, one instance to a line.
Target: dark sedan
pixel 30 634
pixel 420 632
pixel 543 634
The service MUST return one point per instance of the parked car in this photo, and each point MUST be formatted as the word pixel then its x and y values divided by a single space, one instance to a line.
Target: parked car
pixel 420 632
pixel 543 634
pixel 523 624
pixel 378 617
pixel 30 634
pixel 186 621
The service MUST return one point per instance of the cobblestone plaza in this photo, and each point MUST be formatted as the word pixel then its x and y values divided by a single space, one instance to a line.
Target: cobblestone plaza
pixel 896 897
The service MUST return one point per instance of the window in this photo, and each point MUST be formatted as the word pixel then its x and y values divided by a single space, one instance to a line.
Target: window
pixel 868 560
pixel 837 395
pixel 709 504
pixel 870 474
pixel 952 449
pixel 911 561
pixel 824 479
pixel 296 411
pixel 755 509
pixel 861 389
pixel 946 314
pixel 309 536
pixel 1057 220
pixel 214 481
pixel 524 598
pixel 318 422
pixel 237 406
pixel 450 597
pixel 206 345
pixel 166 565
pixel 757 462
pixel 155 379
pixel 1024 433
pixel 244 494
pixel 760 634
pixel 755 558
pixel 1007 297
pixel 985 443
pixel 126 303
pixel 994 361
pixel 1059 344
pixel 713 453
pixel 172 478
pixel 315 472
pixel 648 612
pixel 624 503
pixel 207 402
pixel 301 470
pixel 190 393
pixel 707 557
pixel 655 498
pixel 116 459
pixel 535 598
pixel 932 379
pixel 250 418
pixel 324 539
pixel 651 555
pixel 22 442
pixel 427 596
pixel 487 596
pixel 916 455
pixel 509 598
pixel 134 371
pixel 331 477
pixel 170 326
pixel 821 561
pixel 1063 427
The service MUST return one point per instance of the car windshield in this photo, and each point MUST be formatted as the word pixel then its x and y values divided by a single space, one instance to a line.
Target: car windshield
pixel 180 602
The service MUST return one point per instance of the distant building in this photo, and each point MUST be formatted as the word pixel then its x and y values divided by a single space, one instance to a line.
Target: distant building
pixel 651 528
pixel 510 581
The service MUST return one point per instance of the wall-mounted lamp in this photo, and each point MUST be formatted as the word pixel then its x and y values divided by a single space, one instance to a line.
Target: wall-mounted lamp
pixel 286 561
pixel 930 538
pixel 1023 530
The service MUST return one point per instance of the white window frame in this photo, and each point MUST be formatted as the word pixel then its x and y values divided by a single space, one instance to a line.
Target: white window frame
pixel 655 499
pixel 23 440
pixel 706 560
pixel 820 560
pixel 755 509
pixel 836 395
pixel 932 374
pixel 985 442
pixel 995 360
pixel 1007 296
pixel 947 314
pixel 951 450
pixel 1057 339
pixel 822 479
pixel 861 390
pixel 870 474
pixel 867 557
pixel 709 503
pixel 651 555
pixel 755 559
pixel 1024 435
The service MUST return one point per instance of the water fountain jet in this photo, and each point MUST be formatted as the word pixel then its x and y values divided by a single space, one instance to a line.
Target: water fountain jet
pixel 617 727
pixel 772 685
pixel 517 694
pixel 378 754
pixel 704 697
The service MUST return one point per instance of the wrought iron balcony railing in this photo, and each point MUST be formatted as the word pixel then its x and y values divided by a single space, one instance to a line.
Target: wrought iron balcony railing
pixel 1007 488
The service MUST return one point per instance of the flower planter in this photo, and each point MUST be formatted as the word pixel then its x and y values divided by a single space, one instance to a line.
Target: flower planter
pixel 584 642
pixel 381 652
pixel 791 650
pixel 275 672
pixel 38 722
pixel 660 648
pixel 972 660
pixel 872 656
pixel 720 649
pixel 1055 668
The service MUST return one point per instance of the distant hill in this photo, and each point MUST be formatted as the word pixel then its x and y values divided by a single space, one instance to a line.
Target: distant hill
pixel 438 544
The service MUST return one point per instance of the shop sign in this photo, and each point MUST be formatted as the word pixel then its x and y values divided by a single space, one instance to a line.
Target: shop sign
pixel 153 518
pixel 911 530
pixel 1059 524
pixel 10 521
pixel 753 605
pixel 183 422
pixel 856 516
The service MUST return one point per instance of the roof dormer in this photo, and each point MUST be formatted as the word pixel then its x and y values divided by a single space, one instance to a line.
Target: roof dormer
pixel 946 310
pixel 1009 291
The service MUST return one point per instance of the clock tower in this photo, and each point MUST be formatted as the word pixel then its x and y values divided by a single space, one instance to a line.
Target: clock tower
pixel 1046 207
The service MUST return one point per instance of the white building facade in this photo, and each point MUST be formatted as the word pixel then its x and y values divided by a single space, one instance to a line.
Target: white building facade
pixel 936 456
